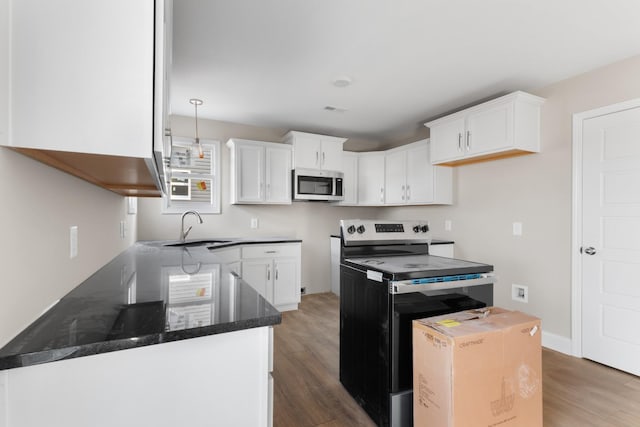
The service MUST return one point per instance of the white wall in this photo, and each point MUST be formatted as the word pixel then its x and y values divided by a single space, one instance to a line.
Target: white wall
pixel 534 190
pixel 39 204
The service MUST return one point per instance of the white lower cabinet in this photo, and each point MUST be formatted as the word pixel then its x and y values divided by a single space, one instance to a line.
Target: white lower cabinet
pixel 190 382
pixel 274 271
pixel 443 250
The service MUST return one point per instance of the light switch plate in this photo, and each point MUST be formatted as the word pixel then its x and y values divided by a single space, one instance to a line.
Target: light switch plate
pixel 447 225
pixel 254 222
pixel 517 229
pixel 73 241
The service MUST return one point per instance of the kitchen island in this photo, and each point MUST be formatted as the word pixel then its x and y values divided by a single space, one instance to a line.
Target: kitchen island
pixel 161 335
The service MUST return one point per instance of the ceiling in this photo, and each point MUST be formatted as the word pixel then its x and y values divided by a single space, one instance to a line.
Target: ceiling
pixel 272 63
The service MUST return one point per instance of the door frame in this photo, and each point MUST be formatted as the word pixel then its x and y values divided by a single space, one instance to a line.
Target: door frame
pixel 576 220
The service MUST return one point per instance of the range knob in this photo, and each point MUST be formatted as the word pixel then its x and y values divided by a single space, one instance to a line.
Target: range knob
pixel 360 229
pixel 416 228
pixel 424 228
pixel 351 229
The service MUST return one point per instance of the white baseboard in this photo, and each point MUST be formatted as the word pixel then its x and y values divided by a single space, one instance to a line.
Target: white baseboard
pixel 556 342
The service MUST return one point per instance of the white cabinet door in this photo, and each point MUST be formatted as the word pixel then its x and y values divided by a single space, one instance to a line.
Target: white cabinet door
pixel 285 285
pixel 371 178
pixel 331 154
pixel 260 172
pixel 448 140
pixel 306 151
pixel 421 176
pixel 350 182
pixel 83 76
pixel 257 273
pixel 278 175
pixel 489 130
pixel 249 173
pixel 395 177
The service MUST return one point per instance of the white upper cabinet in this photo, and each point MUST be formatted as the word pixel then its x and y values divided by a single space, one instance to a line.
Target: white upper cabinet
pixel 411 179
pixel 503 127
pixel 260 172
pixel 82 75
pixel 312 151
pixel 350 180
pixel 82 82
pixel 371 178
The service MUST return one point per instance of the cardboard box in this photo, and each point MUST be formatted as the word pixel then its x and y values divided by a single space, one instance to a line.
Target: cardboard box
pixel 477 368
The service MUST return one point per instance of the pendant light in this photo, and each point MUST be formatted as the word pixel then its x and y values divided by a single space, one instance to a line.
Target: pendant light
pixel 195 103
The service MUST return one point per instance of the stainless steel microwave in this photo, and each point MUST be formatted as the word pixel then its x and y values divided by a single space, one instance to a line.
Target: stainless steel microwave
pixel 316 184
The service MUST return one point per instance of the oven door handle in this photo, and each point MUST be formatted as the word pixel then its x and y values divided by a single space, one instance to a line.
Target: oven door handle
pixel 408 286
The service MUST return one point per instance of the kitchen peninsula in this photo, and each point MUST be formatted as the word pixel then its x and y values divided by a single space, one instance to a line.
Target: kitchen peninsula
pixel 161 335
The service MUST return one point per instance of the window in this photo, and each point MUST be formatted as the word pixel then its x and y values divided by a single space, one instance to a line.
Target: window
pixel 193 182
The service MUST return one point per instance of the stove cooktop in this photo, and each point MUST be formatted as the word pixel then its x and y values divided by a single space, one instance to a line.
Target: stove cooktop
pixel 414 266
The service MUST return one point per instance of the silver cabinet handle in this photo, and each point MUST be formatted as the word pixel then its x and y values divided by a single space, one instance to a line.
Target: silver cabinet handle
pixel 323 158
pixel 381 194
pixel 403 192
pixel 468 140
pixel 268 273
pixel 459 141
pixel 270 252
pixel 276 274
pixel 408 192
pixel 317 158
pixel 590 250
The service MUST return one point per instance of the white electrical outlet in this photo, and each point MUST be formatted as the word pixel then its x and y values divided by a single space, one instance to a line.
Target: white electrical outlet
pixel 520 293
pixel 73 241
pixel 254 222
pixel 447 225
pixel 517 229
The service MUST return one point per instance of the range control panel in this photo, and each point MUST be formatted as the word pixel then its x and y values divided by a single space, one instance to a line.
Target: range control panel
pixel 370 232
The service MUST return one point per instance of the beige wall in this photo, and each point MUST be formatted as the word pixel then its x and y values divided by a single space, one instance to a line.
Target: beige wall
pixel 312 222
pixel 535 190
pixel 39 204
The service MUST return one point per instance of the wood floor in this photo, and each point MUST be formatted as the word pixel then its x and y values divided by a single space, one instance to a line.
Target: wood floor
pixel 307 391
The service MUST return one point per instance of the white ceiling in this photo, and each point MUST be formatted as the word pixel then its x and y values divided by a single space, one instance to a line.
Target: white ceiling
pixel 272 62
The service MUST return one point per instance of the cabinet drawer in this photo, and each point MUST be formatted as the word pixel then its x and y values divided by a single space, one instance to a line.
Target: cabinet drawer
pixel 271 251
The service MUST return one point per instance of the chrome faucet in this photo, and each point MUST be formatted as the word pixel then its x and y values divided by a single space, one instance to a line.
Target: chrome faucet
pixel 184 234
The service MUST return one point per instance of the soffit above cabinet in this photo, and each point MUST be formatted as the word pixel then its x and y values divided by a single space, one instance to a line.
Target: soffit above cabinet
pixel 127 176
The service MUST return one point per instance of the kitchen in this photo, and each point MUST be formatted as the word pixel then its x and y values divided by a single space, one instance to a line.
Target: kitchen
pixel 534 190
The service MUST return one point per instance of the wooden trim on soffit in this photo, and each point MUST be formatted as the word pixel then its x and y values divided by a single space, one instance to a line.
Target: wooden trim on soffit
pixel 123 175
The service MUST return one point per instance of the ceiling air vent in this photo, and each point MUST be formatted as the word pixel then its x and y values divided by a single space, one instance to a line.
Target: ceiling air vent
pixel 335 109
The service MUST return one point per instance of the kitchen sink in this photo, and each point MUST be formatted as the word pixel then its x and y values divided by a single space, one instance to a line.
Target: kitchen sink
pixel 189 243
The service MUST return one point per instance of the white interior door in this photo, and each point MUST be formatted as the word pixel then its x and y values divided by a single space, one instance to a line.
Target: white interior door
pixel 611 239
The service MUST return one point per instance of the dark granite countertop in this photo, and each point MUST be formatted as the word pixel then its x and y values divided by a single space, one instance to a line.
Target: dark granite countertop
pixel 149 294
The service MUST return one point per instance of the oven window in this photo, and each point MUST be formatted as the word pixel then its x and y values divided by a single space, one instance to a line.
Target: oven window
pixel 315 185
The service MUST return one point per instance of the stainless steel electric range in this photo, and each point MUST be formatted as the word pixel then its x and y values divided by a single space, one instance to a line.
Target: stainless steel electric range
pixel 388 279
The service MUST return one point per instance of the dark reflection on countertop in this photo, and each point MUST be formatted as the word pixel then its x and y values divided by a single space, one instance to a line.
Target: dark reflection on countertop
pixel 149 294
